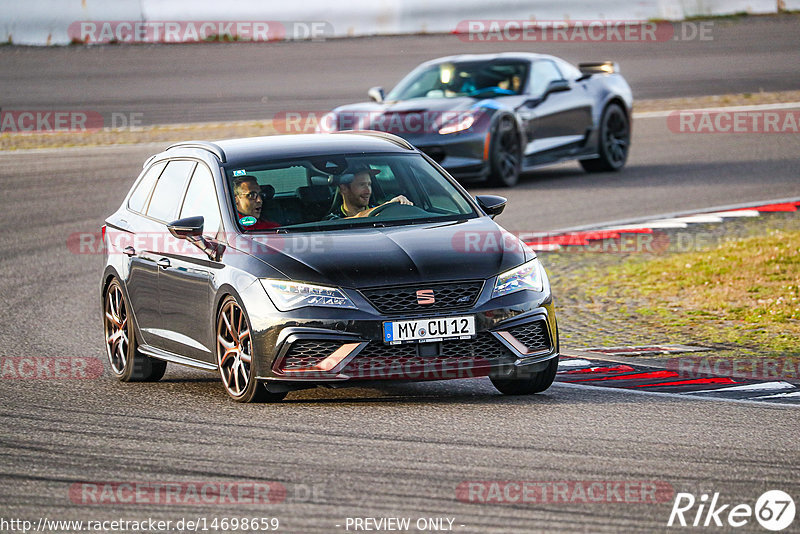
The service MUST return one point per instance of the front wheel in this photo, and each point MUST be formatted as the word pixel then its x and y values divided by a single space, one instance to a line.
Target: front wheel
pixel 235 356
pixel 127 363
pixel 614 140
pixel 525 383
pixel 505 158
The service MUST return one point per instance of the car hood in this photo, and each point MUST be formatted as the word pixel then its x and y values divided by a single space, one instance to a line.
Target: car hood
pixel 368 257
pixel 422 115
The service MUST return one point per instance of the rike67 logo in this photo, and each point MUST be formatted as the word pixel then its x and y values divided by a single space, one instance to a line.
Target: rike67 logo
pixel 774 510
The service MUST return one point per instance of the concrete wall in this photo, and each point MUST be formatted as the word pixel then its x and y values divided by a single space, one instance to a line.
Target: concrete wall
pixel 48 22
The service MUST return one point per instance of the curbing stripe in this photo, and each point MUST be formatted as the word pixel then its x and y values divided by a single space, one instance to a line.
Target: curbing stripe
pixel 580 237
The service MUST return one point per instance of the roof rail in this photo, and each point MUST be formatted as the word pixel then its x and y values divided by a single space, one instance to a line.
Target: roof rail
pixel 397 140
pixel 202 145
pixel 148 160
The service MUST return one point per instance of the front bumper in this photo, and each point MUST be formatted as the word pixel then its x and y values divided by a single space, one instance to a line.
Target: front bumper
pixel 462 154
pixel 347 345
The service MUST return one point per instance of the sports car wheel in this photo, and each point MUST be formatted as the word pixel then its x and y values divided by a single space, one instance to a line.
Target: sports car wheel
pixel 614 142
pixel 504 159
pixel 522 383
pixel 235 356
pixel 127 363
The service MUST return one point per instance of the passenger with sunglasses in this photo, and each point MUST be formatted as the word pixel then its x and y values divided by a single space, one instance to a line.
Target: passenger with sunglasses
pixel 248 198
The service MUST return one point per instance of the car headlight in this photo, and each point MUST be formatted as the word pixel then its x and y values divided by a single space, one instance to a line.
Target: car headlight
pixel 529 275
pixel 292 295
pixel 461 123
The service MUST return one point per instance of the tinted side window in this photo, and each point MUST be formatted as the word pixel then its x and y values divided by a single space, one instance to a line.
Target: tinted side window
pixel 542 73
pixel 143 188
pixel 169 190
pixel 201 199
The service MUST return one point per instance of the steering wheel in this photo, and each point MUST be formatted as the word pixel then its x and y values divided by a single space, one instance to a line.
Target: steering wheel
pixel 396 209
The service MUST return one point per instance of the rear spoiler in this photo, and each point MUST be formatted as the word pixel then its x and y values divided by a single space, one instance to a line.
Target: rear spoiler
pixel 598 67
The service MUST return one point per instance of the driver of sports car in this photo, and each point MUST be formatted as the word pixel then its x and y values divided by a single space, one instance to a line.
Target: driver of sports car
pixel 355 189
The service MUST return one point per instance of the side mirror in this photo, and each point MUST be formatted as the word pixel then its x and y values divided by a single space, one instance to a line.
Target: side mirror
pixel 186 228
pixel 376 94
pixel 492 205
pixel 557 86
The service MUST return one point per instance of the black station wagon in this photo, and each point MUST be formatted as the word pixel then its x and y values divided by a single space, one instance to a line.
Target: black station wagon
pixel 290 262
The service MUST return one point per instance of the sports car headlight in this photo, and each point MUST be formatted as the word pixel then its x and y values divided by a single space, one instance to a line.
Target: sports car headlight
pixel 459 124
pixel 527 276
pixel 292 295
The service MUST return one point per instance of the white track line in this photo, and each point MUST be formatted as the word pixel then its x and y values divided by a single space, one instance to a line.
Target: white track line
pixel 763 386
pixel 574 363
pixel 698 219
pixel 651 224
pixel 681 396
pixel 738 213
pixel 780 395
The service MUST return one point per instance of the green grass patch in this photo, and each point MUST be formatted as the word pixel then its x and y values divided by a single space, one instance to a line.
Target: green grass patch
pixel 744 292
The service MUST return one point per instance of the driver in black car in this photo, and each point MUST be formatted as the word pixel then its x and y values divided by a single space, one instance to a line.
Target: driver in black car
pixel 356 190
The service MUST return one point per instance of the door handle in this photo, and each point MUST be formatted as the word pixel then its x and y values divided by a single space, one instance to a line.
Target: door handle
pixel 163 262
pixel 129 251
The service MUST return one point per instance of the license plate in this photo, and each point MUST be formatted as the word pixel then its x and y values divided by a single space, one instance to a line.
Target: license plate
pixel 428 330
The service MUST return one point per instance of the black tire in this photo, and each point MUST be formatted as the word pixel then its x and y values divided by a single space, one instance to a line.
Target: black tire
pixel 122 348
pixel 529 384
pixel 235 356
pixel 504 154
pixel 613 143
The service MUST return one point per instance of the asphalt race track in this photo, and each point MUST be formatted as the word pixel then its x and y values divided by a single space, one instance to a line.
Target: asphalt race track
pixel 227 81
pixel 405 450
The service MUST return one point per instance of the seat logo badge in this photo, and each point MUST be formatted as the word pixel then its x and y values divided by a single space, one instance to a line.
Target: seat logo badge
pixel 425 296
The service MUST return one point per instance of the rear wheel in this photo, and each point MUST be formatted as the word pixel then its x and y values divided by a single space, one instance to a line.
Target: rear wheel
pixel 613 143
pixel 235 356
pixel 127 363
pixel 522 383
pixel 504 158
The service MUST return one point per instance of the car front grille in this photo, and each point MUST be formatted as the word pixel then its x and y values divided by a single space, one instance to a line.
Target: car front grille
pixel 401 300
pixel 379 361
pixel 533 335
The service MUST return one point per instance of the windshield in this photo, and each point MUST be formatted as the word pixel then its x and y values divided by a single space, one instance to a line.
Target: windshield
pixel 479 79
pixel 341 190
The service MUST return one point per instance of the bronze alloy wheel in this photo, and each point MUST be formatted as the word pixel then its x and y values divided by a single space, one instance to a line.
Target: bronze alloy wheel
pixel 127 363
pixel 235 355
pixel 116 323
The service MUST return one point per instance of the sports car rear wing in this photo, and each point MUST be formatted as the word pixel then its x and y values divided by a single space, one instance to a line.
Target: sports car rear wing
pixel 598 67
